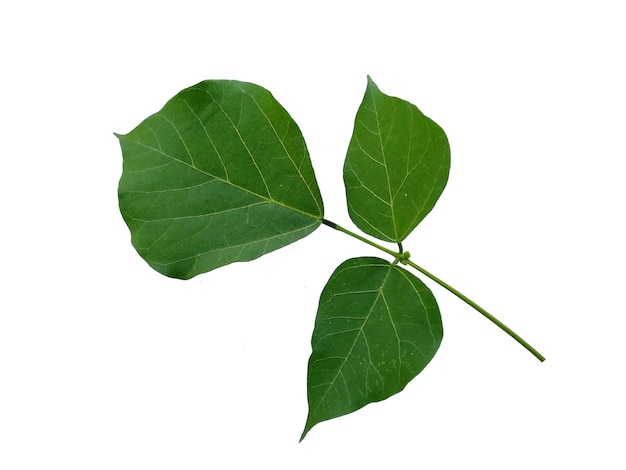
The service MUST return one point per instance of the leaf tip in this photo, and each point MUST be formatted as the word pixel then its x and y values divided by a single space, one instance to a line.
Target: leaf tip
pixel 371 83
pixel 307 427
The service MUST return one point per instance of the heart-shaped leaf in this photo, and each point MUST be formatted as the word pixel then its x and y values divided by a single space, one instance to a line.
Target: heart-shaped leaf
pixel 377 327
pixel 396 167
pixel 220 174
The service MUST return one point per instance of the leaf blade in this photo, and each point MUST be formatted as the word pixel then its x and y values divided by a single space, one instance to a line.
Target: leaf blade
pixel 396 167
pixel 220 174
pixel 377 327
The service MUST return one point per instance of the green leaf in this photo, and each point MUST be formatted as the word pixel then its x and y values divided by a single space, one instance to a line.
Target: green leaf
pixel 377 327
pixel 220 174
pixel 396 167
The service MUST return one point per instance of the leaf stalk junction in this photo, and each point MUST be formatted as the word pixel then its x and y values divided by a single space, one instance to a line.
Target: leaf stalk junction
pixel 403 257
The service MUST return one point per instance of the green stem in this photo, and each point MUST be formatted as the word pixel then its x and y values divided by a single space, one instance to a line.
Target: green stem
pixel 477 307
pixel 443 284
pixel 359 237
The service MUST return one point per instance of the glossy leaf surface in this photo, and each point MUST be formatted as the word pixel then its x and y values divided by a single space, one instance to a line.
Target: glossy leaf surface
pixel 377 327
pixel 220 174
pixel 396 167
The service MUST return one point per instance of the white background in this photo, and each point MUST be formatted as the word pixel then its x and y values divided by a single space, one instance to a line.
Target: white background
pixel 105 364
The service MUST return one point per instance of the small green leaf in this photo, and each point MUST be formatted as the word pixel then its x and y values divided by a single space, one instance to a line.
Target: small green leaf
pixel 396 167
pixel 377 327
pixel 220 174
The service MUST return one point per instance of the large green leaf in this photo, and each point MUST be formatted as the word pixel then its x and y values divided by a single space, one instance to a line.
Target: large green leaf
pixel 396 167
pixel 220 174
pixel 377 327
